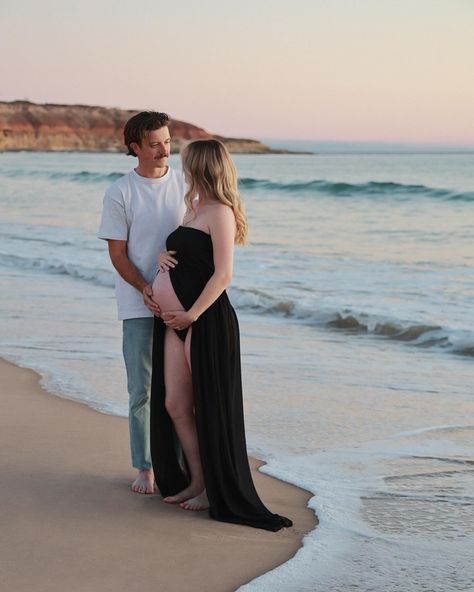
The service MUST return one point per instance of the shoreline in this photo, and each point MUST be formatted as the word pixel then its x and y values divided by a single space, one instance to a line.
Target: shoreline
pixel 71 521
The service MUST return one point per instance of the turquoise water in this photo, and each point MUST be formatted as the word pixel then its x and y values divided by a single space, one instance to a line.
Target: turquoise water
pixel 355 298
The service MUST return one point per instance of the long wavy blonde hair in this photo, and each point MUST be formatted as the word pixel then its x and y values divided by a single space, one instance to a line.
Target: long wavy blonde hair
pixel 210 171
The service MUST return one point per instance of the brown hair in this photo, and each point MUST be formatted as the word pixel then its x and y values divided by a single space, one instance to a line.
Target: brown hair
pixel 210 171
pixel 138 126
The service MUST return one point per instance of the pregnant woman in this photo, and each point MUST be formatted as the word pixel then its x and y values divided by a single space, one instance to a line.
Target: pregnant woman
pixel 196 384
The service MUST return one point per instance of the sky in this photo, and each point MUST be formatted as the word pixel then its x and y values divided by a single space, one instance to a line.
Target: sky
pixel 353 70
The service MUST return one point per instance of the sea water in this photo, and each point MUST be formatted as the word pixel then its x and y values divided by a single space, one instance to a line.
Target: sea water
pixel 355 299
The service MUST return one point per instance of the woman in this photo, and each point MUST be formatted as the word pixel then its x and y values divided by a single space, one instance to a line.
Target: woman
pixel 196 385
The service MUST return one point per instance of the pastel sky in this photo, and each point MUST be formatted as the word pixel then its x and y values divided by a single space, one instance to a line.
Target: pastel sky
pixel 379 70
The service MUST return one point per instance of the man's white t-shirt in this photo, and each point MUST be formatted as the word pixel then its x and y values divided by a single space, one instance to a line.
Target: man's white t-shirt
pixel 143 212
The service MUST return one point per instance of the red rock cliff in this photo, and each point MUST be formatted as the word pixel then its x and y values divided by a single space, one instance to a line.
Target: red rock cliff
pixel 49 127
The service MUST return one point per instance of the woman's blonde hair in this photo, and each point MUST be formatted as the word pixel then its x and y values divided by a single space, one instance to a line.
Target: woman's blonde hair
pixel 210 171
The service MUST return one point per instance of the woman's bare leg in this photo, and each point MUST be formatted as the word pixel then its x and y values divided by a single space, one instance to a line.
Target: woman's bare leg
pixel 180 406
pixel 200 501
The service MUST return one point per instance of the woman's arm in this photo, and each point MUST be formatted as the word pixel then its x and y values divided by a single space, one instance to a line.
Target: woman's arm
pixel 222 229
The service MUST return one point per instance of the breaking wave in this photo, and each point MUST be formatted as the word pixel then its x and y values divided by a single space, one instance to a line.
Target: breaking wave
pixel 256 301
pixel 100 277
pixel 370 189
pixel 357 323
pixel 76 177
pixel 316 186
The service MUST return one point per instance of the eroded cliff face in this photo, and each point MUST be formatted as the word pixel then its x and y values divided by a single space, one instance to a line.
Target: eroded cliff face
pixel 30 126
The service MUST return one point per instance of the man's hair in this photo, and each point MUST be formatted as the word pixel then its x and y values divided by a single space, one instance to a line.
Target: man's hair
pixel 138 126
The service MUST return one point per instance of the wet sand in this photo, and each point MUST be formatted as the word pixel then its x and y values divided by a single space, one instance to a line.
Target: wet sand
pixel 70 521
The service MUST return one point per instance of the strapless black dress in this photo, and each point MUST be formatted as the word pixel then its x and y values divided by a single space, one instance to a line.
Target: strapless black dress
pixel 217 390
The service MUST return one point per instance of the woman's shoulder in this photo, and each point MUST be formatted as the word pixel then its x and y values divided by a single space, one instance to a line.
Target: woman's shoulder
pixel 220 212
pixel 218 208
pixel 221 219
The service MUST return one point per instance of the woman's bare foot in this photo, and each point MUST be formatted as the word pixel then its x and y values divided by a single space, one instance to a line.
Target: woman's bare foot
pixel 145 482
pixel 199 502
pixel 188 493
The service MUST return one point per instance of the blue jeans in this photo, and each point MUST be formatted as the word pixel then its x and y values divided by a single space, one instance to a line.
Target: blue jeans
pixel 137 350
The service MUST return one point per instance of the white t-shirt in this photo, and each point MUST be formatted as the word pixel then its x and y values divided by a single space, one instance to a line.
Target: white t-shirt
pixel 143 212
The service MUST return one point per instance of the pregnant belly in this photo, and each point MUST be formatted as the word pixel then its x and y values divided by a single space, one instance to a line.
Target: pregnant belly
pixel 164 294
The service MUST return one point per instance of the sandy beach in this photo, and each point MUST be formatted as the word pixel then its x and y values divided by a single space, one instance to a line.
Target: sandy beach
pixel 70 522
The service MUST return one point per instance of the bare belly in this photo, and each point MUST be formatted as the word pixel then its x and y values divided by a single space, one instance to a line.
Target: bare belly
pixel 164 294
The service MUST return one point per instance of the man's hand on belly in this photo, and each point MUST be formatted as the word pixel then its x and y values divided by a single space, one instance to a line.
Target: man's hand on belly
pixel 149 302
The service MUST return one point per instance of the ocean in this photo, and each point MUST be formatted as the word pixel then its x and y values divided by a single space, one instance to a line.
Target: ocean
pixel 355 299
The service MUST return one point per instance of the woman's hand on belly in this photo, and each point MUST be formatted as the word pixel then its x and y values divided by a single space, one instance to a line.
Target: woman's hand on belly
pixel 177 319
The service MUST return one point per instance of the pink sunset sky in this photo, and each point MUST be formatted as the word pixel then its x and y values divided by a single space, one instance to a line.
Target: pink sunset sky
pixel 375 70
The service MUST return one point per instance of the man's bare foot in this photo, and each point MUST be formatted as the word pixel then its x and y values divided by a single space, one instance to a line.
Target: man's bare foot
pixel 199 502
pixel 145 482
pixel 184 495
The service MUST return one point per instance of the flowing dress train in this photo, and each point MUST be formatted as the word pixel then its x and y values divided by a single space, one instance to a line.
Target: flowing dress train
pixel 217 391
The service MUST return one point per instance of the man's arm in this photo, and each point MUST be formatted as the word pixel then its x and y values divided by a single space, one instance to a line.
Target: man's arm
pixel 121 262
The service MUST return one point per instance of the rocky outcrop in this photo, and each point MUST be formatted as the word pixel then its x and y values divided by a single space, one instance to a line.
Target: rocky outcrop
pixel 50 127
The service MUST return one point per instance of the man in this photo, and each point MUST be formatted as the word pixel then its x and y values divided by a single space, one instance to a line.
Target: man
pixel 140 210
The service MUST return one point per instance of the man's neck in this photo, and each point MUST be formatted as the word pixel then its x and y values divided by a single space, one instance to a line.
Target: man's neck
pixel 151 172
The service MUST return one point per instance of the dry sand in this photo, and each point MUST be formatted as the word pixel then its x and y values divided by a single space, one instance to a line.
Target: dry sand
pixel 69 521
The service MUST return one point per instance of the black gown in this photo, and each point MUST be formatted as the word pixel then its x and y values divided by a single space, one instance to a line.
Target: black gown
pixel 217 391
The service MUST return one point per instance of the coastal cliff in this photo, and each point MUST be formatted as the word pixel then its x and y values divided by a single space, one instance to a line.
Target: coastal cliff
pixel 84 128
